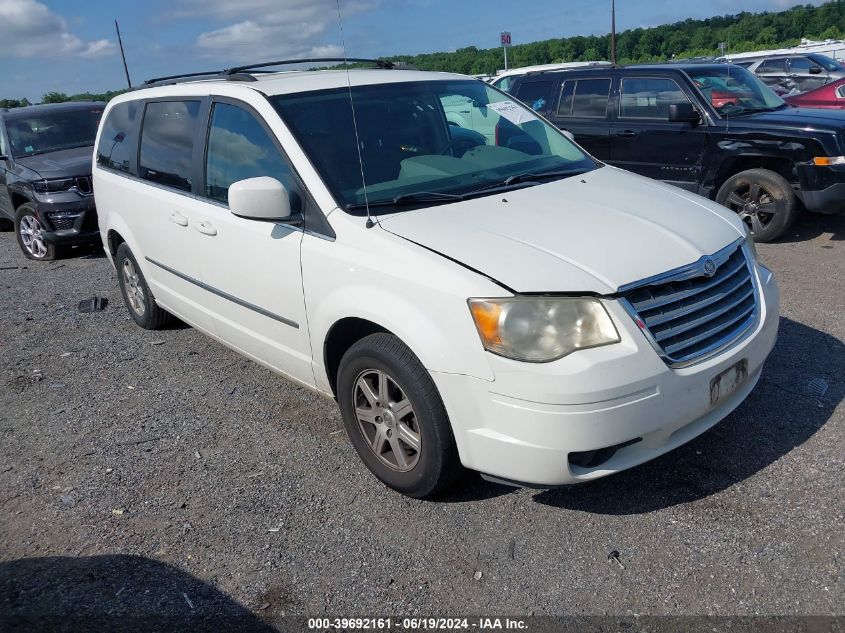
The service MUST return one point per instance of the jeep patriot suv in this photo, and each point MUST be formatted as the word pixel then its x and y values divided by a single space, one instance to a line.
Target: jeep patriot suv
pixel 713 129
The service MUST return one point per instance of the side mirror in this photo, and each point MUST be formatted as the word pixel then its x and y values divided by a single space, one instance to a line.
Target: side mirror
pixel 815 70
pixel 261 198
pixel 568 135
pixel 683 113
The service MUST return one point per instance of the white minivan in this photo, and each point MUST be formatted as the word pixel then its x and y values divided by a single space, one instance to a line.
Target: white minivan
pixel 509 304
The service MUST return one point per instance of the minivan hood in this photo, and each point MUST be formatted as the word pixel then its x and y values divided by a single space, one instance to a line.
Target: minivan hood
pixel 592 233
pixel 61 164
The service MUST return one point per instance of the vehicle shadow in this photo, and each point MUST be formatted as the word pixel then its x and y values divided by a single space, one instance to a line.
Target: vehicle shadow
pixel 113 593
pixel 809 226
pixel 782 413
pixel 471 487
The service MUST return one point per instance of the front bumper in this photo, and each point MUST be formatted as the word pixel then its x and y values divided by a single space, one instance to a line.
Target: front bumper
pixel 68 219
pixel 822 188
pixel 525 425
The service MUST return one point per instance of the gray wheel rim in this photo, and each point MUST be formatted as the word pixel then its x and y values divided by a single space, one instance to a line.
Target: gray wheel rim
pixel 755 206
pixel 31 236
pixel 387 420
pixel 134 293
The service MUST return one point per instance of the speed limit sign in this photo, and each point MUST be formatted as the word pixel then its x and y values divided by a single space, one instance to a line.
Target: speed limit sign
pixel 506 39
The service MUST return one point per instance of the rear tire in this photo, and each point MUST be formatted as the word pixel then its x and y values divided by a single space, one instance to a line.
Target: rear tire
pixel 764 201
pixel 395 418
pixel 28 230
pixel 136 293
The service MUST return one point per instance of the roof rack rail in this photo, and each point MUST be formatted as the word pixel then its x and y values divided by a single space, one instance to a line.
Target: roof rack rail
pixel 173 78
pixel 246 72
pixel 380 63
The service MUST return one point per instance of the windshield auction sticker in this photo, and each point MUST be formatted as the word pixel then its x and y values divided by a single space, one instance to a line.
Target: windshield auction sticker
pixel 513 112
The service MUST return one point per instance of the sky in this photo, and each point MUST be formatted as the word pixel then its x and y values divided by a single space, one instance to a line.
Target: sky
pixel 70 45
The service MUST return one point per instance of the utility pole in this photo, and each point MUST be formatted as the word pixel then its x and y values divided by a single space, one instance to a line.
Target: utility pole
pixel 613 32
pixel 123 55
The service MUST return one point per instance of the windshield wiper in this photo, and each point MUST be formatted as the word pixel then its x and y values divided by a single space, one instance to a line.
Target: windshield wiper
pixel 754 110
pixel 409 198
pixel 523 179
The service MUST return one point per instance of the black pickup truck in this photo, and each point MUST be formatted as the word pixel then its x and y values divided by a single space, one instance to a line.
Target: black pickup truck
pixel 714 129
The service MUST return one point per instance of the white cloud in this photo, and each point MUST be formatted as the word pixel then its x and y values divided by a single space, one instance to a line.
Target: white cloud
pixel 268 29
pixel 29 29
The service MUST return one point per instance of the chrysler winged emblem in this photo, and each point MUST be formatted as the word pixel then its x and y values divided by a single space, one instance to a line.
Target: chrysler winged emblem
pixel 708 267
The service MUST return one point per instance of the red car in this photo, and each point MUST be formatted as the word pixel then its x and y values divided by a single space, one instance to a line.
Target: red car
pixel 831 96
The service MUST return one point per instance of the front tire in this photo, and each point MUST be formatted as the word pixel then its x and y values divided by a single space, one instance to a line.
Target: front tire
pixel 763 200
pixel 136 292
pixel 29 231
pixel 395 418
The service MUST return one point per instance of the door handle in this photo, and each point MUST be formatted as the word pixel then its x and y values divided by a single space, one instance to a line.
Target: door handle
pixel 178 218
pixel 205 227
pixel 627 134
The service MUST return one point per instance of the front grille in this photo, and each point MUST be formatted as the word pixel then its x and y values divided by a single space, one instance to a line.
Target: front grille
pixel 83 185
pixel 691 315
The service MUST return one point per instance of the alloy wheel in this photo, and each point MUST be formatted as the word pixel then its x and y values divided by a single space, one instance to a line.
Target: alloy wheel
pixel 387 420
pixel 32 237
pixel 134 291
pixel 755 206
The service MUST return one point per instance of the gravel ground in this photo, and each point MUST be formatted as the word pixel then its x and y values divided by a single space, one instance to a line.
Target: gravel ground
pixel 147 473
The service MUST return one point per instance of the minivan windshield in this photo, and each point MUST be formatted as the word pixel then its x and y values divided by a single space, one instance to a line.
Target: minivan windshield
pixel 53 131
pixel 735 90
pixel 425 142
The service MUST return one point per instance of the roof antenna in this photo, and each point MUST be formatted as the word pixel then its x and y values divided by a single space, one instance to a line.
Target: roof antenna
pixel 370 224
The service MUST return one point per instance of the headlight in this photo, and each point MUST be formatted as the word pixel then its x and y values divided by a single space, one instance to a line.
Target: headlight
pixel 541 329
pixel 52 186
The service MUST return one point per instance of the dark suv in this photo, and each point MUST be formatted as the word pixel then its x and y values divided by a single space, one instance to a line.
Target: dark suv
pixel 46 153
pixel 714 129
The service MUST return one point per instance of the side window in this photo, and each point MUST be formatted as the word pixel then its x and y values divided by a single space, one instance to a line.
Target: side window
pixel 505 84
pixel 3 151
pixel 535 94
pixel 649 98
pixel 772 66
pixel 118 142
pixel 240 148
pixel 584 98
pixel 567 94
pixel 167 143
pixel 801 64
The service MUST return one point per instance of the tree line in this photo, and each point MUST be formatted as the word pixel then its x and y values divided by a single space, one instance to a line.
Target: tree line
pixel 689 38
pixel 61 97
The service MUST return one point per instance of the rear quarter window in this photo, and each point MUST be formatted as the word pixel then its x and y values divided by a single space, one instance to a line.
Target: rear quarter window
pixel 118 144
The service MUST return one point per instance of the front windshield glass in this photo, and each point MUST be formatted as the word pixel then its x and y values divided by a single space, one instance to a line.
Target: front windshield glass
pixel 425 140
pixel 827 63
pixel 53 131
pixel 735 90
